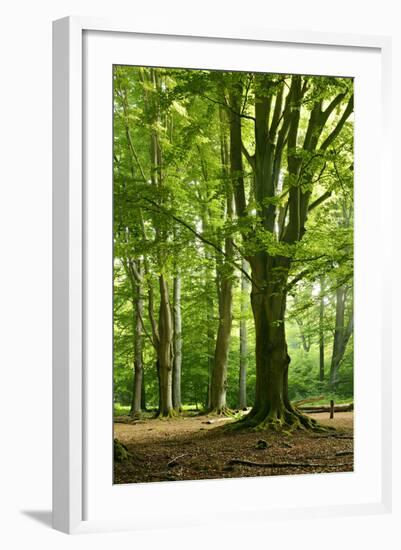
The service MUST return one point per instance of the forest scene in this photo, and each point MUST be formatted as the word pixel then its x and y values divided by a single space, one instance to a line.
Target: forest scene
pixel 233 274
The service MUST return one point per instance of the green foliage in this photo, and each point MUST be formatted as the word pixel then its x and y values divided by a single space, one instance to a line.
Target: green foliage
pixel 170 213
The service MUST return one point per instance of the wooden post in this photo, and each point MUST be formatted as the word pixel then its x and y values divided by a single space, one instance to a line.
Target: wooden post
pixel 331 408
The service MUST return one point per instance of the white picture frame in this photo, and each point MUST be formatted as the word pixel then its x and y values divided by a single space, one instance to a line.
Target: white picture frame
pixel 71 418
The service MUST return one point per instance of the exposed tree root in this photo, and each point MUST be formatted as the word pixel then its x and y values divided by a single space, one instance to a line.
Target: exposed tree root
pixel 221 411
pixel 171 413
pixel 120 451
pixel 283 419
pixel 287 464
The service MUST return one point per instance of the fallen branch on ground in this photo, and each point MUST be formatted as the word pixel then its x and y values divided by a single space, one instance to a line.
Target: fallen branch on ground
pixel 336 436
pixel 224 419
pixel 173 461
pixel 344 453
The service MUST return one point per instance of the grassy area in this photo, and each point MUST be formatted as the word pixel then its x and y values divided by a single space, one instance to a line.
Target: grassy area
pixel 326 401
pixel 122 410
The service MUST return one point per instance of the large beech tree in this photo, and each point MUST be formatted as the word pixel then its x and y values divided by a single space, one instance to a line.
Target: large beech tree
pixel 295 123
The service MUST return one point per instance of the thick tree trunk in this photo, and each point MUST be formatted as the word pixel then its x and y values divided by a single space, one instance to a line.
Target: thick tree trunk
pixel 165 351
pixel 272 408
pixel 243 338
pixel 276 128
pixel 271 355
pixel 177 344
pixel 138 359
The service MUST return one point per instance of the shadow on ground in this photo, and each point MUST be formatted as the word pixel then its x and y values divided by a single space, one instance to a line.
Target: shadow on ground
pixel 41 516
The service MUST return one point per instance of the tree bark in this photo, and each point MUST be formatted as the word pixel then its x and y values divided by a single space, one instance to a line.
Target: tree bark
pixel 209 294
pixel 210 345
pixel 321 331
pixel 165 350
pixel 165 340
pixel 134 273
pixel 143 392
pixel 218 387
pixel 177 344
pixel 243 337
pixel 272 408
pixel 138 354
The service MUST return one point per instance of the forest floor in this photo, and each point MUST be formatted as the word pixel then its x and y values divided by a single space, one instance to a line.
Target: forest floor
pixel 195 447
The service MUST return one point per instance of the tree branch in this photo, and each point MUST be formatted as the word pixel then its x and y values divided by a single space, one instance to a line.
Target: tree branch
pixel 136 279
pixel 154 344
pixel 201 238
pixel 319 200
pixel 331 137
pixel 297 278
pixel 249 158
pixel 330 108
pixel 241 115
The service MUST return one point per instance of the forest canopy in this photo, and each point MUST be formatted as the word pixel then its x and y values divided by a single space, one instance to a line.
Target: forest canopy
pixel 233 242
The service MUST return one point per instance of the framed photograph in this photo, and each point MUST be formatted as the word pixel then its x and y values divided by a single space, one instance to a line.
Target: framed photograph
pixel 220 331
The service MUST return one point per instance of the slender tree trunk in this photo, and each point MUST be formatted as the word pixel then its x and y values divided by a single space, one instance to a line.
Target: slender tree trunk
pixel 138 359
pixel 159 385
pixel 218 388
pixel 342 334
pixel 210 346
pixel 210 314
pixel 321 331
pixel 338 336
pixel 165 350
pixel 219 374
pixel 305 340
pixel 143 392
pixel 243 337
pixel 177 344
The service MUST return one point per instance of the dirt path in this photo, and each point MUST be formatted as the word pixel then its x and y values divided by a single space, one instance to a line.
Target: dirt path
pixel 196 448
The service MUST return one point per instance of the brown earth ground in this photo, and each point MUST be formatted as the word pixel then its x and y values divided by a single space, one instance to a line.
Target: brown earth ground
pixel 196 447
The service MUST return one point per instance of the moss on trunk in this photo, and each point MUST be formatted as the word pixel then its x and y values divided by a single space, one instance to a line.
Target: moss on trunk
pixel 272 409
